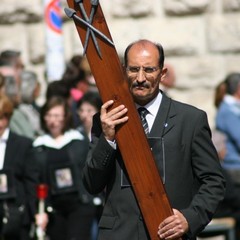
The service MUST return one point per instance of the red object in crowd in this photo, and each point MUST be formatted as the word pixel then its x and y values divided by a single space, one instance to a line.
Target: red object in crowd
pixel 42 191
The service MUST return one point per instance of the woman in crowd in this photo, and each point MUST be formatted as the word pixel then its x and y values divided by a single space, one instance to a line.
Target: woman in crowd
pixel 17 179
pixel 88 105
pixel 60 155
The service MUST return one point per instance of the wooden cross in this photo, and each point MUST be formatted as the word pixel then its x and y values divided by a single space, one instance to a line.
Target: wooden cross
pixel 112 84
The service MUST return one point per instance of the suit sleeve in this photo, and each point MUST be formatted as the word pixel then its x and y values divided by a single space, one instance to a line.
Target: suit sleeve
pixel 100 160
pixel 207 169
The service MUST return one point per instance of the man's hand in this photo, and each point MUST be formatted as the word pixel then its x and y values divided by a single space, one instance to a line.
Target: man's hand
pixel 173 227
pixel 110 119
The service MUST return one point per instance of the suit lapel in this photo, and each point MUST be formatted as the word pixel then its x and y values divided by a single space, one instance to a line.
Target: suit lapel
pixel 163 121
pixel 162 125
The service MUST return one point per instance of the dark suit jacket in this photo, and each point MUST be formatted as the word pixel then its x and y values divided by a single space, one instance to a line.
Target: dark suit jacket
pixel 16 161
pixel 76 153
pixel 193 177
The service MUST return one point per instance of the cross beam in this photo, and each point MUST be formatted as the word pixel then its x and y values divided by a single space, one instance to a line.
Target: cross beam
pixel 112 84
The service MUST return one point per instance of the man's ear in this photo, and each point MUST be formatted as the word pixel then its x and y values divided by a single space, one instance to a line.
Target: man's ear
pixel 163 73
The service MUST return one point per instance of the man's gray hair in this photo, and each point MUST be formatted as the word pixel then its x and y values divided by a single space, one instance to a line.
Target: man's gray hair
pixel 29 83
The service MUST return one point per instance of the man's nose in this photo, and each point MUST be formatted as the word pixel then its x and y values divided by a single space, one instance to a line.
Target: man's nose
pixel 141 76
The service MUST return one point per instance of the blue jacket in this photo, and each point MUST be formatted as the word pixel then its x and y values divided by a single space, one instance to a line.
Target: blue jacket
pixel 228 121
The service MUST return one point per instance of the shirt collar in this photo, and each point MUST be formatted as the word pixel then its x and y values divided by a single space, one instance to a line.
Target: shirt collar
pixel 5 135
pixel 231 100
pixel 48 141
pixel 153 105
pixel 233 104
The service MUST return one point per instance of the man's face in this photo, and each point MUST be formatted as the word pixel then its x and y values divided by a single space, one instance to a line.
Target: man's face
pixel 143 72
pixel 7 71
pixel 54 120
pixel 85 113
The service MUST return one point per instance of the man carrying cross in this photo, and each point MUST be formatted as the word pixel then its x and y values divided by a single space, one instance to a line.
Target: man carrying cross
pixel 184 153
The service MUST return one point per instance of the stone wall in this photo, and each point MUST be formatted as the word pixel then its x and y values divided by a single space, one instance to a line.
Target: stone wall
pixel 200 38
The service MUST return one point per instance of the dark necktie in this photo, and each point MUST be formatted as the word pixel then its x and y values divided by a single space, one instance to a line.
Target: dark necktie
pixel 143 113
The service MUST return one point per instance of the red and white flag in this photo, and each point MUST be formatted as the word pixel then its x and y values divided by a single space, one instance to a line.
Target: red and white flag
pixel 55 63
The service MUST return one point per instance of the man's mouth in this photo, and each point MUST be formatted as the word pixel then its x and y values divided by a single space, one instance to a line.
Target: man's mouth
pixel 140 85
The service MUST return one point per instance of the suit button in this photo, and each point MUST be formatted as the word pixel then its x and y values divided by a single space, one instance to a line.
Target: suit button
pixel 140 218
pixel 104 163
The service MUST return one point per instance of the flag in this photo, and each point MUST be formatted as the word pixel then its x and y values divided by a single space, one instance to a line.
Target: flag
pixel 55 63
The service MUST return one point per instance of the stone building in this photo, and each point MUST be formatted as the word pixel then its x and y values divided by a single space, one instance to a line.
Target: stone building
pixel 201 38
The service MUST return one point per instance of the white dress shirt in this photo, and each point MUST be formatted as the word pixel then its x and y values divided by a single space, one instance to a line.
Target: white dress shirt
pixel 3 145
pixel 152 108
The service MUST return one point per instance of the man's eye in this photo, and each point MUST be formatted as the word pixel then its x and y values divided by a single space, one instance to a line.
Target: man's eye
pixel 148 69
pixel 134 69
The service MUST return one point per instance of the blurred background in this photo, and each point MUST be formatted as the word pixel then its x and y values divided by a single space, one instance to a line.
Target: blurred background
pixel 200 38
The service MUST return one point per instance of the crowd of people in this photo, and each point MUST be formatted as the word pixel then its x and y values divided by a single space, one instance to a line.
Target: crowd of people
pixel 46 145
pixel 62 146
